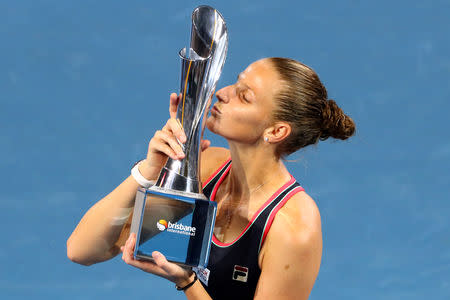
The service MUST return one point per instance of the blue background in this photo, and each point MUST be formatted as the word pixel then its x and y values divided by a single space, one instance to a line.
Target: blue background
pixel 84 84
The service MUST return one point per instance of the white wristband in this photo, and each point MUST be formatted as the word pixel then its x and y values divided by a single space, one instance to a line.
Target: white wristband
pixel 139 178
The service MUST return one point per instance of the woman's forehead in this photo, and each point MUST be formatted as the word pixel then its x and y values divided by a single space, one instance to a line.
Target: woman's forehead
pixel 258 67
pixel 260 76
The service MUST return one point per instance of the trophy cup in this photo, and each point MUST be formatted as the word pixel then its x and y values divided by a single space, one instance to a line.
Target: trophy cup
pixel 173 216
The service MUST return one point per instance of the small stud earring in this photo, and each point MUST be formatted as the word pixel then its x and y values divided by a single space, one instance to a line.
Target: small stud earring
pixel 266 139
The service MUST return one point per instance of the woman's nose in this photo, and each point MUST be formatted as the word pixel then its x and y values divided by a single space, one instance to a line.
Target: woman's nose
pixel 222 95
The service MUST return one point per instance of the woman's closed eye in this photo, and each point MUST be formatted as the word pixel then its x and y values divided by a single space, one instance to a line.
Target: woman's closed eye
pixel 243 96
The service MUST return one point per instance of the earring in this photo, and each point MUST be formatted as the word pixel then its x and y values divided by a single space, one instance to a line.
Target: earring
pixel 266 139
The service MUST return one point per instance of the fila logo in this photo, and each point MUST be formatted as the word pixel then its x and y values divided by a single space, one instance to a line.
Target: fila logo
pixel 240 273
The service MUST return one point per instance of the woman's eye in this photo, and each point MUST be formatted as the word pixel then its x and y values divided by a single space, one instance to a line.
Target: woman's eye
pixel 243 97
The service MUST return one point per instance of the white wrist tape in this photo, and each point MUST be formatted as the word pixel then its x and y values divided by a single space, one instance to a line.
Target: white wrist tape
pixel 139 178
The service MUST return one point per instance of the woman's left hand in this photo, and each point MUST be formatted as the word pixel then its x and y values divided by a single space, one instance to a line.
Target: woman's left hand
pixel 161 267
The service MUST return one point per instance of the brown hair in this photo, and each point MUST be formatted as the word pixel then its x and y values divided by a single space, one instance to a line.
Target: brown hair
pixel 303 103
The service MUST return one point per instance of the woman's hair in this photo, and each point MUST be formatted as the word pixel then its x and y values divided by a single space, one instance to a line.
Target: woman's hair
pixel 303 103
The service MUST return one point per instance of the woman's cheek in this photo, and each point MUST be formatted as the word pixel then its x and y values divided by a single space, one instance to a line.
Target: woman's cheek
pixel 238 124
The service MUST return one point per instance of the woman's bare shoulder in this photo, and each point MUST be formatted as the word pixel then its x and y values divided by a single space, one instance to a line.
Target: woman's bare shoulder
pixel 291 255
pixel 302 208
pixel 211 159
pixel 297 221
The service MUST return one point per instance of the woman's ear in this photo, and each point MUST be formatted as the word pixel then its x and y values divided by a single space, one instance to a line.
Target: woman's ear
pixel 277 132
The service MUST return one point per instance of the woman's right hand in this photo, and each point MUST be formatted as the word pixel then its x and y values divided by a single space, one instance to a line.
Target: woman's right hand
pixel 166 142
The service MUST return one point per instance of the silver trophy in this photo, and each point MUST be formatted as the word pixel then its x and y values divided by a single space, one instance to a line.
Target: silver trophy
pixel 173 216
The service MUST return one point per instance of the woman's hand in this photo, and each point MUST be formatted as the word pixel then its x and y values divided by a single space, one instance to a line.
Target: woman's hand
pixel 167 141
pixel 161 267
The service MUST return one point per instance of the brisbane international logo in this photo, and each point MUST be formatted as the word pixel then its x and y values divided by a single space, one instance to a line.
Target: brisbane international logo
pixel 162 225
pixel 175 227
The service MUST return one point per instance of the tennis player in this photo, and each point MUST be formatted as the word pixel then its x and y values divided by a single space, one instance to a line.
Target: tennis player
pixel 267 241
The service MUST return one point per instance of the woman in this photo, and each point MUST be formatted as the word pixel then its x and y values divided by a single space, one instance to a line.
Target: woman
pixel 267 240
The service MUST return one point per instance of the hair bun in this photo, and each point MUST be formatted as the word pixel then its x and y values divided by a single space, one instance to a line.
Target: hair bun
pixel 335 124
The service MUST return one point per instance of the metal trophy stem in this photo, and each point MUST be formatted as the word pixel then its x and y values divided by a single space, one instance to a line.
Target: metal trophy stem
pixel 200 70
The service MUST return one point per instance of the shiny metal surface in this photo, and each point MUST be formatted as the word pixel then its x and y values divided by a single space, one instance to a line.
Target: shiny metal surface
pixel 201 68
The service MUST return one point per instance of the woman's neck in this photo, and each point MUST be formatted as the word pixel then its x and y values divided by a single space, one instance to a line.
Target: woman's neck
pixel 253 169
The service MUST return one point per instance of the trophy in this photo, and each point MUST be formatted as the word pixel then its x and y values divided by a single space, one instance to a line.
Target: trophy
pixel 173 216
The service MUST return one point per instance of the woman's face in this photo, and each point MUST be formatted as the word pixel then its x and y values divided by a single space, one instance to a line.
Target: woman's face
pixel 244 109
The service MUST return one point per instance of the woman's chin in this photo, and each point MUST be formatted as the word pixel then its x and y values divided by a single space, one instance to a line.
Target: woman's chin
pixel 211 124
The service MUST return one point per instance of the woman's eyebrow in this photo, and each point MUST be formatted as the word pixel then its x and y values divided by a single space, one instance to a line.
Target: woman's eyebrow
pixel 245 85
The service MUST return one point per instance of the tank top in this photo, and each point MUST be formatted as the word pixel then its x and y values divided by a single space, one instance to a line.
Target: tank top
pixel 233 271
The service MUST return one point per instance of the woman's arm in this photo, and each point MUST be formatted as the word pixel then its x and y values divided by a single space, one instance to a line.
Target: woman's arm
pixel 96 237
pixel 292 252
pixel 106 225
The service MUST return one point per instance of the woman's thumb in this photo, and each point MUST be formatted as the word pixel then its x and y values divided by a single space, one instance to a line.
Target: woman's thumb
pixel 162 262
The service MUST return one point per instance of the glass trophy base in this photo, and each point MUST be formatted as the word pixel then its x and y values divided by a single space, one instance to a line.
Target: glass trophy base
pixel 177 224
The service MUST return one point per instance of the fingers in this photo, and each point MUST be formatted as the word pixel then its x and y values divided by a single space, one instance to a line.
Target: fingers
pixel 174 126
pixel 168 140
pixel 168 267
pixel 166 143
pixel 128 258
pixel 205 144
pixel 128 248
pixel 174 100
pixel 160 267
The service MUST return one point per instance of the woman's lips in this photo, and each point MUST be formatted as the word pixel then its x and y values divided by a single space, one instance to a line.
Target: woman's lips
pixel 215 110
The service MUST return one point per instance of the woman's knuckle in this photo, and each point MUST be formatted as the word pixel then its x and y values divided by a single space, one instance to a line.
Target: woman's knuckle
pixel 168 149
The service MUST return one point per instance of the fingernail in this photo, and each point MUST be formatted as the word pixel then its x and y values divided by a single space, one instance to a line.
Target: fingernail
pixel 180 140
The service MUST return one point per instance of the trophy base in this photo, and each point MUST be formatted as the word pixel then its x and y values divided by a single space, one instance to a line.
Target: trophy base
pixel 177 224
